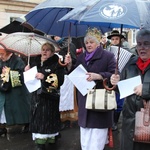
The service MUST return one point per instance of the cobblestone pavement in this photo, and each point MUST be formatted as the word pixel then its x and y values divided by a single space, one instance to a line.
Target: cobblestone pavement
pixel 69 140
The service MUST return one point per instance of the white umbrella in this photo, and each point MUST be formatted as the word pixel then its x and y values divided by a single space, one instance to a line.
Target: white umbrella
pixel 27 44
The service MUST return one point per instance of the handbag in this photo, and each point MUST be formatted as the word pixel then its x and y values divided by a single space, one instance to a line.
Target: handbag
pixel 142 124
pixel 15 78
pixel 101 100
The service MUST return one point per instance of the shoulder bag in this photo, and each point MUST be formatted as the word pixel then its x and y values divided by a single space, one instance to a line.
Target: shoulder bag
pixel 142 124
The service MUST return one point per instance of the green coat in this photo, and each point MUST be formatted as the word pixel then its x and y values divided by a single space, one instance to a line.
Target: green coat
pixel 16 101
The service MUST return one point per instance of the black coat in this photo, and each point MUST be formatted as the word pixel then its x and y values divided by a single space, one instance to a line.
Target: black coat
pixel 64 49
pixel 132 104
pixel 45 116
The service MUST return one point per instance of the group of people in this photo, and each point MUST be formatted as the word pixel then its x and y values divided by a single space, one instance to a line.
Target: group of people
pixel 100 63
pixel 40 109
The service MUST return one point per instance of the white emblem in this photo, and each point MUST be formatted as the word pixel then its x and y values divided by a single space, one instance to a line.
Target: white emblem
pixel 47 70
pixel 112 11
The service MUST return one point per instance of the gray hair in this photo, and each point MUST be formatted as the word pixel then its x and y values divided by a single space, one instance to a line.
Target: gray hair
pixel 87 37
pixel 143 32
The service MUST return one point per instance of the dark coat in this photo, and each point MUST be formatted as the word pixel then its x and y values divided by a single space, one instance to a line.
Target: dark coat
pixel 16 101
pixel 132 104
pixel 45 116
pixel 104 63
pixel 63 44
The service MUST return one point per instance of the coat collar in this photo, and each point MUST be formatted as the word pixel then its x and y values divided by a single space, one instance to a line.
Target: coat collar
pixel 97 54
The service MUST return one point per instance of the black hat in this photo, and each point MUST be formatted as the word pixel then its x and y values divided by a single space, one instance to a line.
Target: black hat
pixel 114 33
pixel 52 37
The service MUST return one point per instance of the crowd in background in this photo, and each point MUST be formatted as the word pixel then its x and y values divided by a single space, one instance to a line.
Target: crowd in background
pixel 38 112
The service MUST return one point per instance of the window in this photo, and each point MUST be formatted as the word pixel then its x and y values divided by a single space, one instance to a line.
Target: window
pixel 134 37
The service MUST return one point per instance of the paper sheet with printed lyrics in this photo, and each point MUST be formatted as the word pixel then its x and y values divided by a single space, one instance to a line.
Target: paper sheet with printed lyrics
pixel 79 78
pixel 30 81
pixel 126 87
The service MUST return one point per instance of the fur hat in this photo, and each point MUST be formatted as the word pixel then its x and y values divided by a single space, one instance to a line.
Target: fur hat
pixel 114 33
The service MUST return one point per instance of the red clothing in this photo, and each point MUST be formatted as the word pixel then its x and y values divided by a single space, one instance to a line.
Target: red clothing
pixel 142 65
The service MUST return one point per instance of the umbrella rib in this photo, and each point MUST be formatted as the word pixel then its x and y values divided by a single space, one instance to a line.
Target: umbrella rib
pixel 16 42
pixel 46 15
pixel 36 26
pixel 58 19
pixel 54 20
pixel 65 23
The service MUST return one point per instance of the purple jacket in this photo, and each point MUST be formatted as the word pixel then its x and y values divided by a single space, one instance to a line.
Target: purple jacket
pixel 104 63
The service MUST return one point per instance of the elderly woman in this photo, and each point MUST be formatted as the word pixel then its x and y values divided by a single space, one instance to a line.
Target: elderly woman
pixel 138 65
pixel 99 64
pixel 45 116
pixel 14 97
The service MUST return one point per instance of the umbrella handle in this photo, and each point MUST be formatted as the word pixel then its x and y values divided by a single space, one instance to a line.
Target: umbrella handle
pixel 59 61
pixel 106 86
pixel 63 64
pixel 116 70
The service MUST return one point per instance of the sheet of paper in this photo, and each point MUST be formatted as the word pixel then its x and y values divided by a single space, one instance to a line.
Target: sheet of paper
pixel 124 56
pixel 30 81
pixel 78 78
pixel 126 87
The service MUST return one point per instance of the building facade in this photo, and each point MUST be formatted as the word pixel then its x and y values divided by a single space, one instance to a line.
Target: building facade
pixel 11 9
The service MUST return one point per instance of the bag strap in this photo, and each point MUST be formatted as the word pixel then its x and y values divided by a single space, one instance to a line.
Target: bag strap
pixel 146 117
pixel 93 98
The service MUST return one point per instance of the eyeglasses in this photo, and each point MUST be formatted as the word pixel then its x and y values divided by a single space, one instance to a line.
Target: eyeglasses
pixel 145 45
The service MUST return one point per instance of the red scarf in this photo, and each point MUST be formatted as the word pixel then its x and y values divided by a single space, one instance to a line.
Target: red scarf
pixel 142 65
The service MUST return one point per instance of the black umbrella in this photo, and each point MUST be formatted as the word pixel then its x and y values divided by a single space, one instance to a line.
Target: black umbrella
pixel 18 26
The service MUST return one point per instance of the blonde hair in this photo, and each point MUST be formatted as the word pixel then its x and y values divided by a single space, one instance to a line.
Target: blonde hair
pixel 50 46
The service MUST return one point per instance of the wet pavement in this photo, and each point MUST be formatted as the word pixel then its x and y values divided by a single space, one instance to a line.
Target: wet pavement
pixel 70 140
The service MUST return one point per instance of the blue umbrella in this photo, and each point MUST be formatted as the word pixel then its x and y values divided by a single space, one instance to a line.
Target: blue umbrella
pixel 112 13
pixel 44 17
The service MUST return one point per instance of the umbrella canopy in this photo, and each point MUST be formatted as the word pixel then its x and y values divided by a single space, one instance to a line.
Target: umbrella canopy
pixel 27 44
pixel 16 26
pixel 114 13
pixel 44 17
